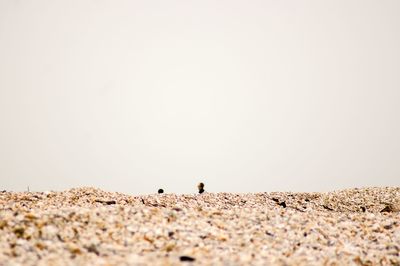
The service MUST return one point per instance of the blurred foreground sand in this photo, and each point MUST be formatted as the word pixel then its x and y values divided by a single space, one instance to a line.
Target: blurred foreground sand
pixel 87 226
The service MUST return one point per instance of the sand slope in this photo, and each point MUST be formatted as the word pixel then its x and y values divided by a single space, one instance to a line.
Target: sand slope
pixel 88 226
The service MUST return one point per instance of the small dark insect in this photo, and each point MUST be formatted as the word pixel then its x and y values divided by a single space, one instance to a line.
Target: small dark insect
pixel 363 209
pixel 186 258
pixel 143 201
pixel 160 191
pixel 327 208
pixel 200 186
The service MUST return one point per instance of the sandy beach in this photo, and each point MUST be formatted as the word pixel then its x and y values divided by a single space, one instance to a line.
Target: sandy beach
pixel 88 226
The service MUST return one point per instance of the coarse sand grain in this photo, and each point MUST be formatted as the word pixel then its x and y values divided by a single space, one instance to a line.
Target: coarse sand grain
pixel 88 226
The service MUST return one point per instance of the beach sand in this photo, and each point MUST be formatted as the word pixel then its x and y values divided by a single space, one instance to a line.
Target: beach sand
pixel 87 226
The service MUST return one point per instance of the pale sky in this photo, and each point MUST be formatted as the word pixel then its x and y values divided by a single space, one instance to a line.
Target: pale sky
pixel 246 96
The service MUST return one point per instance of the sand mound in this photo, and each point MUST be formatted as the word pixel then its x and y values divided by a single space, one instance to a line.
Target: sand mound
pixel 93 227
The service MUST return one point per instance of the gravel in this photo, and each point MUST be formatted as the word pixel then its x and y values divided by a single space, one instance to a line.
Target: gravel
pixel 88 226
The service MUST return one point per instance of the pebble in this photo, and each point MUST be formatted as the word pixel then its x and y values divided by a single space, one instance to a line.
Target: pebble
pixel 186 258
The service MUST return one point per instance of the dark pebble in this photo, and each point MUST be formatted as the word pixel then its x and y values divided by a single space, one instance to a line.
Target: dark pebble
pixel 107 202
pixel 387 227
pixel 268 233
pixel 387 209
pixel 186 258
pixel 92 248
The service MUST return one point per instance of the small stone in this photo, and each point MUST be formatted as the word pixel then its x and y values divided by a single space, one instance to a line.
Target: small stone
pixel 186 258
pixel 269 233
pixel 276 200
pixel 110 202
pixel 3 224
pixel 92 248
pixel 74 249
pixel 392 207
pixel 106 202
pixel 327 208
pixel 19 231
pixel 388 226
pixel 169 247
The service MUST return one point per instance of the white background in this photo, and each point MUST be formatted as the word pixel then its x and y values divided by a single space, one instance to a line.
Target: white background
pixel 245 96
